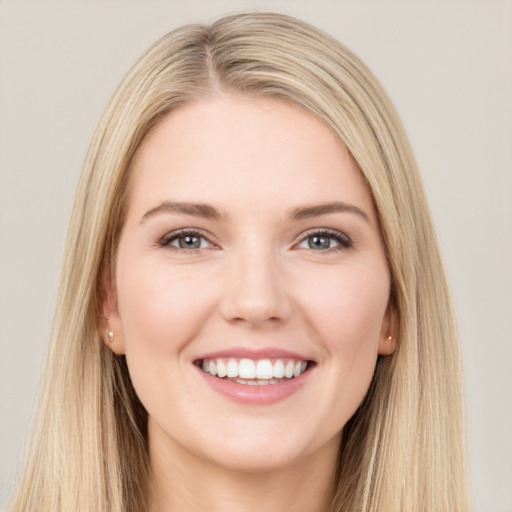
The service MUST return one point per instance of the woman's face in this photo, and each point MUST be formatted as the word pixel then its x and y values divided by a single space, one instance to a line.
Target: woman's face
pixel 251 285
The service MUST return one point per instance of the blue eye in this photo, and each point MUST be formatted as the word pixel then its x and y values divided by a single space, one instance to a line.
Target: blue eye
pixel 187 240
pixel 324 241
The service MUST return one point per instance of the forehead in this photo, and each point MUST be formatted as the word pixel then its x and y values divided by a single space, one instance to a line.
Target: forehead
pixel 248 149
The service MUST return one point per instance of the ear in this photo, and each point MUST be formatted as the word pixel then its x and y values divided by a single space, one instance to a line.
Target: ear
pixel 389 332
pixel 110 324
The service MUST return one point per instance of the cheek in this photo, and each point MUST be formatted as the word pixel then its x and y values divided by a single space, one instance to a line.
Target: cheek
pixel 160 305
pixel 161 310
pixel 347 305
pixel 348 313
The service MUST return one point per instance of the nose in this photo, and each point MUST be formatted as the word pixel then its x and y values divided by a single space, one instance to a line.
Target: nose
pixel 255 292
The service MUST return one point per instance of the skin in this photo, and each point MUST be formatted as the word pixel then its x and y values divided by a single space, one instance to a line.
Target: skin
pixel 255 282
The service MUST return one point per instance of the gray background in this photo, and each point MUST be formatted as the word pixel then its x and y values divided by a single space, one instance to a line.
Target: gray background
pixel 446 64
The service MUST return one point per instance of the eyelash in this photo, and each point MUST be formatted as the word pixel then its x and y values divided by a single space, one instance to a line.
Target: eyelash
pixel 343 240
pixel 167 239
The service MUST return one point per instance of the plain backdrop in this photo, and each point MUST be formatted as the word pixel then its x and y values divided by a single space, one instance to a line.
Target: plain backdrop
pixel 447 65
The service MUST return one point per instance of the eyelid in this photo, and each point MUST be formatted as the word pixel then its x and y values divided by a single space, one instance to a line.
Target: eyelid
pixel 344 241
pixel 165 241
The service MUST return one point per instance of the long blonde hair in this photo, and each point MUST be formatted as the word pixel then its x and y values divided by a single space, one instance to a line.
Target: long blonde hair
pixel 404 449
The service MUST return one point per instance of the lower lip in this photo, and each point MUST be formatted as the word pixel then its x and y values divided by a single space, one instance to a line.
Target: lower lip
pixel 256 395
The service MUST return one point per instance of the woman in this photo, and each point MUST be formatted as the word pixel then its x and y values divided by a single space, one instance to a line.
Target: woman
pixel 253 313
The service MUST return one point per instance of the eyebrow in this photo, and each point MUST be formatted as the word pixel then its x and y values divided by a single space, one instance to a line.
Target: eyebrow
pixel 209 212
pixel 194 209
pixel 305 212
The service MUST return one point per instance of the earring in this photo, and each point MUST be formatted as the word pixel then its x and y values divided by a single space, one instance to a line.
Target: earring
pixel 110 336
pixel 390 338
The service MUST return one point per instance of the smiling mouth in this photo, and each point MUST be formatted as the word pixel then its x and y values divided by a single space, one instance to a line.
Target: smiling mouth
pixel 252 372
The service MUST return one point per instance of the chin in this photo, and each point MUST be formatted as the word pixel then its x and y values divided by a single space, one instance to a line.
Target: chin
pixel 261 450
pixel 248 460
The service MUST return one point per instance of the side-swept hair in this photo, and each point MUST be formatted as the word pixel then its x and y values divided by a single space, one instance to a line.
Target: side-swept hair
pixel 404 449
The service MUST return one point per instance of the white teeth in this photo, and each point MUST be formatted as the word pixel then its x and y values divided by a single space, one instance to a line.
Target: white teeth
pixel 264 382
pixel 251 372
pixel 279 369
pixel 232 370
pixel 247 369
pixel 264 369
pixel 288 369
pixel 221 368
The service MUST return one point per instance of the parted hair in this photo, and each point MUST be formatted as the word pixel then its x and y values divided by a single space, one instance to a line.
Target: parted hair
pixel 404 449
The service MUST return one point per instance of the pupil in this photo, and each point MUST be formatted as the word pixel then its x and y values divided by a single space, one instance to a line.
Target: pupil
pixel 319 242
pixel 190 242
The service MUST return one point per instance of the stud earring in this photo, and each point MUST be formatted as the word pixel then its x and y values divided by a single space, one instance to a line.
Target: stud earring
pixel 110 336
pixel 390 338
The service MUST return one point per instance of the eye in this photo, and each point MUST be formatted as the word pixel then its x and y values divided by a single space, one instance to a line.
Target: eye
pixel 185 239
pixel 325 240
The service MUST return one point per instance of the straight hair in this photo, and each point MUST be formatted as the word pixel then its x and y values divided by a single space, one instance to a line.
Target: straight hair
pixel 404 449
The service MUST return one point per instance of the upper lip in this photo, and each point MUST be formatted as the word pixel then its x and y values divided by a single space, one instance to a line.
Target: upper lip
pixel 255 354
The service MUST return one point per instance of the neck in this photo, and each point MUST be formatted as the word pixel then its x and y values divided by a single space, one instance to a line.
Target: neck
pixel 183 482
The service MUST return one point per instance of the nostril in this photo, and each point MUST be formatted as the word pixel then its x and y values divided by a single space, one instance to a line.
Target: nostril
pixel 255 298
